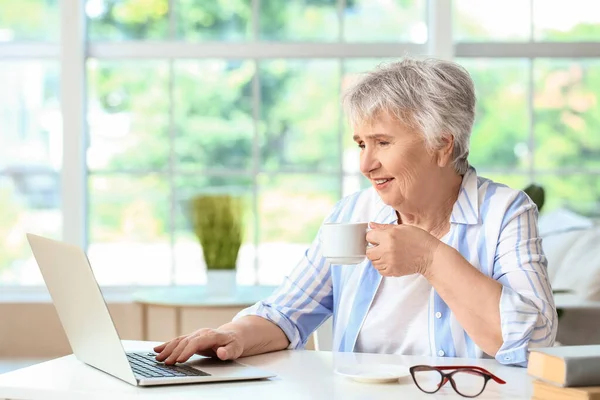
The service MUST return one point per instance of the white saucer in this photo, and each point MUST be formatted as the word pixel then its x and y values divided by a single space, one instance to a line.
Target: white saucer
pixel 346 260
pixel 373 373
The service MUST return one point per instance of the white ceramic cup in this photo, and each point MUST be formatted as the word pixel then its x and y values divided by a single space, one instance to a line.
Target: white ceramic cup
pixel 344 243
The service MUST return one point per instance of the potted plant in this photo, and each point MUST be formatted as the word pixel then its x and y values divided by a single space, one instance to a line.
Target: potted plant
pixel 537 194
pixel 217 221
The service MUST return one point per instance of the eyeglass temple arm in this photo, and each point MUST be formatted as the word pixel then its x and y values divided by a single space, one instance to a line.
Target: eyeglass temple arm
pixel 467 367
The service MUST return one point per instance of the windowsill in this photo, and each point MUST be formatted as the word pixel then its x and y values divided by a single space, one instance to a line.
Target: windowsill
pixel 39 294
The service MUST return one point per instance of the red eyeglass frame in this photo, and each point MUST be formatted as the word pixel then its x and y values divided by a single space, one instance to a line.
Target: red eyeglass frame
pixel 487 375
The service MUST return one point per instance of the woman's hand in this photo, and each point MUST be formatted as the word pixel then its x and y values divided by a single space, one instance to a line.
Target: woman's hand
pixel 400 250
pixel 223 344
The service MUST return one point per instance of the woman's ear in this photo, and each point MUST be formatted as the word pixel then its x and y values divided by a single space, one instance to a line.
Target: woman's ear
pixel 446 150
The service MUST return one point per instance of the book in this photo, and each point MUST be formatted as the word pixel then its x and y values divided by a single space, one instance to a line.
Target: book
pixel 545 391
pixel 566 366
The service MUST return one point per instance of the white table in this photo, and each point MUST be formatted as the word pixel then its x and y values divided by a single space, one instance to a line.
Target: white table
pixel 302 374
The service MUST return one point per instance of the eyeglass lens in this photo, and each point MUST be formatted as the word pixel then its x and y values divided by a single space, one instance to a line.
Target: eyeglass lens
pixel 467 382
pixel 428 379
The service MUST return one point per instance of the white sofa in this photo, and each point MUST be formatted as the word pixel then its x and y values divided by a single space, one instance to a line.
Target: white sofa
pixel 572 244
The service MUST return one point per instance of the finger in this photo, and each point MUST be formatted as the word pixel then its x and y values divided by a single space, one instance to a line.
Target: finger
pixel 379 266
pixel 374 253
pixel 203 345
pixel 183 343
pixel 166 351
pixel 375 237
pixel 231 351
pixel 159 348
pixel 223 353
pixel 384 272
pixel 375 225
pixel 200 344
pixel 191 348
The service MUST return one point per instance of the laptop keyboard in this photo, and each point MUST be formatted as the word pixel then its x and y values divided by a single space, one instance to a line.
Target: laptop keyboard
pixel 145 365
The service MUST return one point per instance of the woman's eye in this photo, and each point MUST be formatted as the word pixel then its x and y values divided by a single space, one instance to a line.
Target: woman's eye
pixel 384 143
pixel 361 145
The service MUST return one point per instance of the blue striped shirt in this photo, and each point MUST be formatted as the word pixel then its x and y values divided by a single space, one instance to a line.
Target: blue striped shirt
pixel 492 226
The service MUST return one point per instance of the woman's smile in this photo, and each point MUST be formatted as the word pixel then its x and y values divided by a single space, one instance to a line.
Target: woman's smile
pixel 382 183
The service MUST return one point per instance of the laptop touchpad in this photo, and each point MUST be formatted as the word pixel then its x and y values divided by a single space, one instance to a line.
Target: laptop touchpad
pixel 215 366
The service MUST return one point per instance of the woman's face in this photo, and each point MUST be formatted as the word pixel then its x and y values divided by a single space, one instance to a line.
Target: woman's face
pixel 396 161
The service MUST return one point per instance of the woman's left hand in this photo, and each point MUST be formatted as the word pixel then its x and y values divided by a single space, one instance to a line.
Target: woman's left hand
pixel 400 250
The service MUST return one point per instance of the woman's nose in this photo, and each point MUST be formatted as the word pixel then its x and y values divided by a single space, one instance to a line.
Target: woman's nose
pixel 368 161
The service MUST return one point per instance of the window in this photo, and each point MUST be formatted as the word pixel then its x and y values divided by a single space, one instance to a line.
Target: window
pixel 234 96
pixel 242 96
pixel 30 133
pixel 537 104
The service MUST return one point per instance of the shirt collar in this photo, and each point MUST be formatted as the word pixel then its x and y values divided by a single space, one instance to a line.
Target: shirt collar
pixel 385 214
pixel 465 210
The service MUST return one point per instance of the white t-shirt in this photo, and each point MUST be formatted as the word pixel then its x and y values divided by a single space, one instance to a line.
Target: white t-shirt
pixel 397 321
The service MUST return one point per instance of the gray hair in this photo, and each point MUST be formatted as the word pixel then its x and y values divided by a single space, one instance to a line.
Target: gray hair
pixel 436 97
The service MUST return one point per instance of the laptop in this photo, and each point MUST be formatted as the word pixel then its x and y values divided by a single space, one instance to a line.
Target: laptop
pixel 92 334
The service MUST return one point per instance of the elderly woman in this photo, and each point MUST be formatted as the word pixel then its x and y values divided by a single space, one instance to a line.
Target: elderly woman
pixel 457 268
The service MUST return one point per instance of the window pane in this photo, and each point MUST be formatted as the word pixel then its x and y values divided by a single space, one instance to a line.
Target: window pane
pixel 127 19
pixel 30 163
pixel 507 20
pixel 128 118
pixel 189 262
pixel 501 130
pixel 30 116
pixel 129 229
pixel 567 110
pixel 354 183
pixel 578 192
pixel 313 20
pixel 300 114
pixel 385 21
pixel 514 181
pixel 213 108
pixel 29 202
pixel 214 20
pixel 291 210
pixel 26 20
pixel 566 21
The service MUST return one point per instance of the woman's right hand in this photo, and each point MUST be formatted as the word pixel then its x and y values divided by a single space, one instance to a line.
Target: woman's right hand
pixel 224 344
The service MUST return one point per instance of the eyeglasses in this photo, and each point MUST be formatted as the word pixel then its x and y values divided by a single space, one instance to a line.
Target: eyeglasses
pixel 466 381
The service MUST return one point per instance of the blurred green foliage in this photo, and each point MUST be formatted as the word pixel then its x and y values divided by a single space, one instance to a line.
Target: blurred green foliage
pixel 28 20
pixel 11 212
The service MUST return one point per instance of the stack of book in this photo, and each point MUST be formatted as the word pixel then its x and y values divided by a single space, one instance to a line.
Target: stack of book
pixel 565 372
